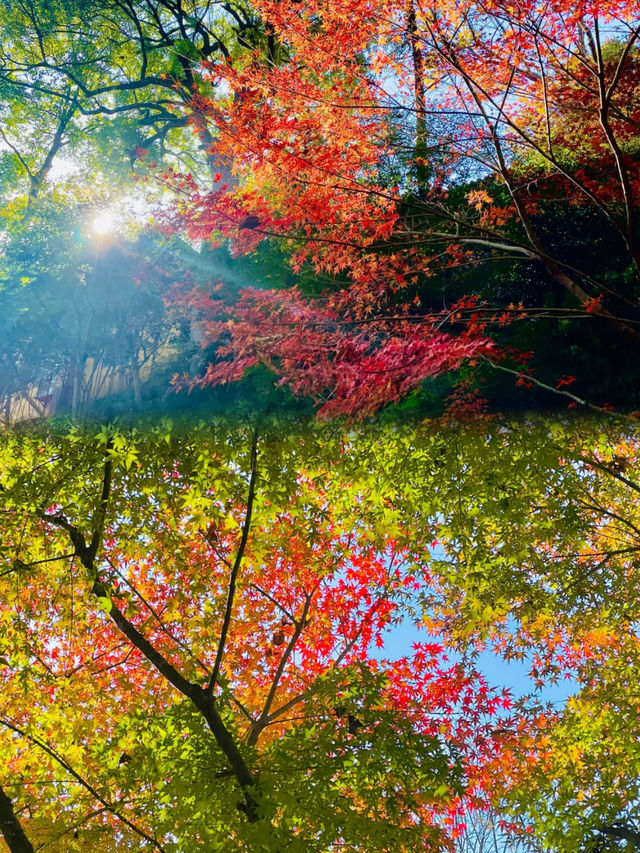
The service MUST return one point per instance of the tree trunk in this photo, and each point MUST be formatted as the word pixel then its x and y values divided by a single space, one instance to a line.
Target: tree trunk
pixel 420 150
pixel 11 828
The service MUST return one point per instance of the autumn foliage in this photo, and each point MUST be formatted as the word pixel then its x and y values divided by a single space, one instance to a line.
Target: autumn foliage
pixel 203 629
pixel 269 636
pixel 350 146
pixel 198 635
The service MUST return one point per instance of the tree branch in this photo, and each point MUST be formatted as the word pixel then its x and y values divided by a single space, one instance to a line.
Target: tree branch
pixel 101 514
pixel 52 753
pixel 236 567
pixel 204 702
pixel 261 722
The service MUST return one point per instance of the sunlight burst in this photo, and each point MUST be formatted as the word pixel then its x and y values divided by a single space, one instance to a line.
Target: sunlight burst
pixel 104 222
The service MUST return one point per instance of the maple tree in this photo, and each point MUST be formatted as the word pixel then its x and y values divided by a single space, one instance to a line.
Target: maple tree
pixel 90 90
pixel 425 156
pixel 480 101
pixel 187 630
pixel 193 623
pixel 539 530
pixel 142 566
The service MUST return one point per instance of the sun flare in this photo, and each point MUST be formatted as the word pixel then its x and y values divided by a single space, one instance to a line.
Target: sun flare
pixel 103 222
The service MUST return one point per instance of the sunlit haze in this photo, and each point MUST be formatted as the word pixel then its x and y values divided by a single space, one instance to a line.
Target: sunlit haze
pixel 103 222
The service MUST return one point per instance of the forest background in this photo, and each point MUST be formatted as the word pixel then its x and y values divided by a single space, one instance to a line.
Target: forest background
pixel 349 248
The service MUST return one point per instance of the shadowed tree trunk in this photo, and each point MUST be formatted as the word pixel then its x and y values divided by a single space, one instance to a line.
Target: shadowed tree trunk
pixel 11 828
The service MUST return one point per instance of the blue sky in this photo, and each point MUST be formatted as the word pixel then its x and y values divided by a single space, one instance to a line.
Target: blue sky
pixel 499 673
